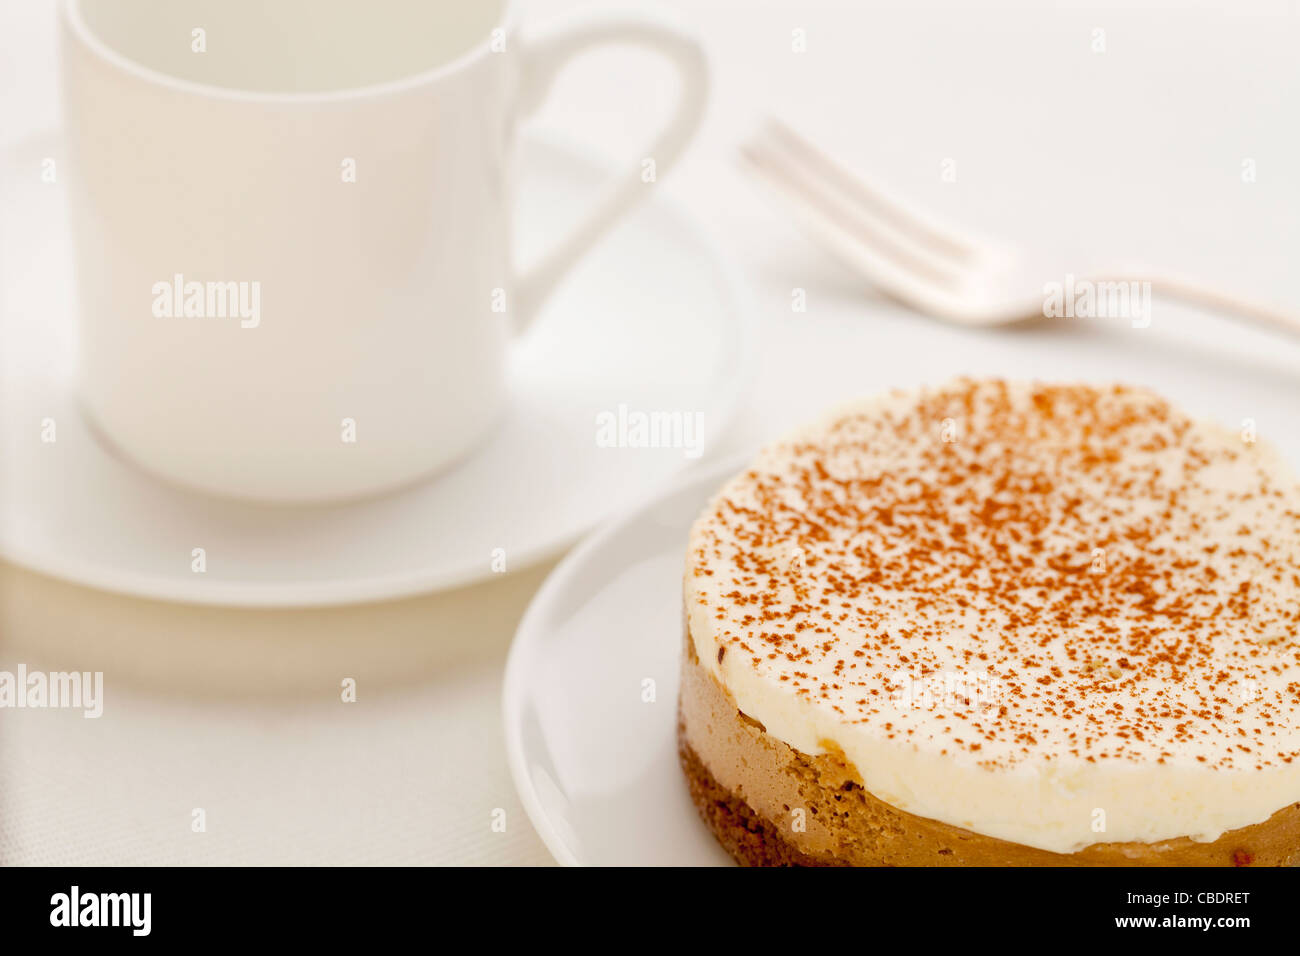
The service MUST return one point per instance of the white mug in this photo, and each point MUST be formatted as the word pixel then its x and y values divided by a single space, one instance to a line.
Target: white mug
pixel 292 228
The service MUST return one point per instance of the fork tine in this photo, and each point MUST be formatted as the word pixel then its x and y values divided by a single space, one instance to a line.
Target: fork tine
pixel 918 282
pixel 923 231
pixel 819 198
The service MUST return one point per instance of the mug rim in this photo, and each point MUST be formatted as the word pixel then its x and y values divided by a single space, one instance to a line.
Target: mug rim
pixel 71 15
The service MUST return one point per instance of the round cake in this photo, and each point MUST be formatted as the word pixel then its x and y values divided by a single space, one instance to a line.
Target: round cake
pixel 999 623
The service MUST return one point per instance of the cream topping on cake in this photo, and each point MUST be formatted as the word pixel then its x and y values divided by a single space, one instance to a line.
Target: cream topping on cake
pixel 1057 615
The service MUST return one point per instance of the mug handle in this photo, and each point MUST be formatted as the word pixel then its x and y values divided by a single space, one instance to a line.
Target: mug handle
pixel 542 60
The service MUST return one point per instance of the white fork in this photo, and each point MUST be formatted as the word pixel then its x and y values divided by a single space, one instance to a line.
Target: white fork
pixel 934 268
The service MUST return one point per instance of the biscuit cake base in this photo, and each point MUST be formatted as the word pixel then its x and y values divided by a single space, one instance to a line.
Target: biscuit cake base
pixel 748 785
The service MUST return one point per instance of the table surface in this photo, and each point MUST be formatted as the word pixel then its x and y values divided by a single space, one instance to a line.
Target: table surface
pixel 1136 151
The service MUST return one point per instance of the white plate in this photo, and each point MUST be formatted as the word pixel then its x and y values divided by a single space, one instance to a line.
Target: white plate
pixel 594 761
pixel 653 319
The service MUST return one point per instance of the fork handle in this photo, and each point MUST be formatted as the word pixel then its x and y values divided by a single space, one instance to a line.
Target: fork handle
pixel 1262 314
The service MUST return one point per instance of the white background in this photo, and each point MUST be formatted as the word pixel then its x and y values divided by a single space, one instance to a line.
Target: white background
pixel 1134 152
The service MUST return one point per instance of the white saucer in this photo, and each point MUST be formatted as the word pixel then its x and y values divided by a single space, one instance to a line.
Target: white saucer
pixel 595 764
pixel 654 319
